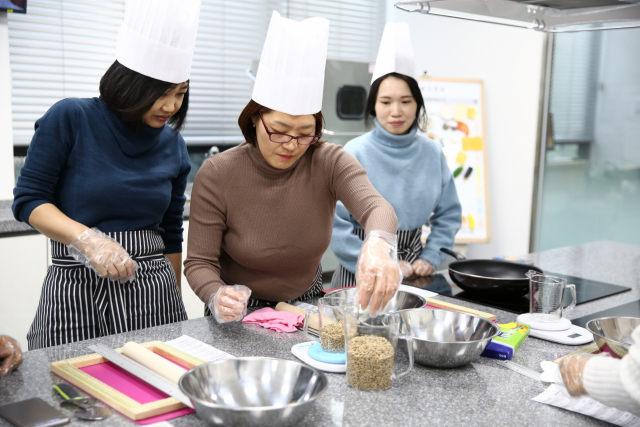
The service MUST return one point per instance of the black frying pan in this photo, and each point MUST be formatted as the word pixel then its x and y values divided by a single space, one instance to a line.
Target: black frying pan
pixel 489 277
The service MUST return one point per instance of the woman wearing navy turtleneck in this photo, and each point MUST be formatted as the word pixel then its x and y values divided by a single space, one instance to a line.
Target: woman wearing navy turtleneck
pixel 410 172
pixel 105 178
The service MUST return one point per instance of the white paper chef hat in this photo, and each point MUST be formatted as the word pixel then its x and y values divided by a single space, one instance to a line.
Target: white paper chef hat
pixel 157 38
pixel 395 54
pixel 290 76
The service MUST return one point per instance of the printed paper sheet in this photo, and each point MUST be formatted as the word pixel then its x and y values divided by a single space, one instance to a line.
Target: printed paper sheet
pixel 558 396
pixel 199 349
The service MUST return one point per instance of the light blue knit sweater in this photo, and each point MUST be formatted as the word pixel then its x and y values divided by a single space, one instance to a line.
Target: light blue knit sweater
pixel 411 173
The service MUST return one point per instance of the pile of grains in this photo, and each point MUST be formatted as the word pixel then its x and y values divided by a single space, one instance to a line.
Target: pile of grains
pixel 369 362
pixel 332 337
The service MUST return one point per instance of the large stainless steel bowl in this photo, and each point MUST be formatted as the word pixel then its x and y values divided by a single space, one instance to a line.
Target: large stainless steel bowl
pixel 404 301
pixel 446 338
pixel 613 334
pixel 253 391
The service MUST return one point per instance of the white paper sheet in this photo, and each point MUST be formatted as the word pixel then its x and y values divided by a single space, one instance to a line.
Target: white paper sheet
pixel 417 291
pixel 558 396
pixel 199 349
pixel 305 306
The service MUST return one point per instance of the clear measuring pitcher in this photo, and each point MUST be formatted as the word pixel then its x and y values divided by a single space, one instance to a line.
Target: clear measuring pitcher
pixel 372 343
pixel 326 324
pixel 546 297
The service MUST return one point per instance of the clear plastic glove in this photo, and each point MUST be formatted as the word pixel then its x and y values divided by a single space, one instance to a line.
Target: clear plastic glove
pixel 422 268
pixel 103 255
pixel 10 355
pixel 572 370
pixel 405 269
pixel 377 273
pixel 229 303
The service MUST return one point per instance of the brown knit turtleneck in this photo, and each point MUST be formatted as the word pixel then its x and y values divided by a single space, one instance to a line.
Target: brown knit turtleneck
pixel 267 228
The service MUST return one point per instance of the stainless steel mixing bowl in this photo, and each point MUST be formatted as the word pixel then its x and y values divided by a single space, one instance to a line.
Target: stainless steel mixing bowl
pixel 404 301
pixel 253 391
pixel 446 338
pixel 613 334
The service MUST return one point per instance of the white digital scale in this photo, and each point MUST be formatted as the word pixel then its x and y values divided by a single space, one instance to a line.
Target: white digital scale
pixel 312 354
pixel 563 332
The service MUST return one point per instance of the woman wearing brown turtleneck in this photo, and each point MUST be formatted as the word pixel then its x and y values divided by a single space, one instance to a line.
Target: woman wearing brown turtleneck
pixel 262 212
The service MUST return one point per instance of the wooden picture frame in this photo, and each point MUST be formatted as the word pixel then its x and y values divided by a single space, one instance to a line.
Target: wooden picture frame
pixel 478 88
pixel 70 370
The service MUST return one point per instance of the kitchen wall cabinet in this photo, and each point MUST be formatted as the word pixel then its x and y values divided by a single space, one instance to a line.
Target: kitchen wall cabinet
pixel 193 305
pixel 23 265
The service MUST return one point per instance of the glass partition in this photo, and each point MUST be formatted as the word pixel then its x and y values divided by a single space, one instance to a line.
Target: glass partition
pixel 589 177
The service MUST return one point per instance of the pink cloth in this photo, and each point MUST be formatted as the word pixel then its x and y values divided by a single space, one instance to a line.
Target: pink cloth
pixel 280 321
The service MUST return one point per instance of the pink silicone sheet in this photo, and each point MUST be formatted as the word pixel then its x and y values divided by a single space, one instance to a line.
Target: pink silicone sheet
pixel 133 387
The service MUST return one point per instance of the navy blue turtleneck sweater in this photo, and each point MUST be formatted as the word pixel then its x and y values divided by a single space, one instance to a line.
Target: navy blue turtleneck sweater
pixel 88 163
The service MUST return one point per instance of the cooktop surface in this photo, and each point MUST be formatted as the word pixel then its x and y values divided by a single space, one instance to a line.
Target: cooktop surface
pixel 631 309
pixel 586 290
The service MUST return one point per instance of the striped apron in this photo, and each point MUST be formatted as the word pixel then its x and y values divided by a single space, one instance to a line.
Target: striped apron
pixel 315 290
pixel 77 304
pixel 409 248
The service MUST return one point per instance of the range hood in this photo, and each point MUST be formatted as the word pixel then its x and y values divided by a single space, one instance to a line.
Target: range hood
pixel 552 16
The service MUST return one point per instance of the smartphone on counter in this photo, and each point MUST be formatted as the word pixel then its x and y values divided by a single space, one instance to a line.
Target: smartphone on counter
pixel 33 412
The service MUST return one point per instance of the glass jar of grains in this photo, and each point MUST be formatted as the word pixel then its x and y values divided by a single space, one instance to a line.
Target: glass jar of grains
pixel 371 344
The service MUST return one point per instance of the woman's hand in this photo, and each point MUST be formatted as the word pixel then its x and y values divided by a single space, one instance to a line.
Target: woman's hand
pixel 10 355
pixel 572 371
pixel 406 269
pixel 422 268
pixel 378 274
pixel 229 303
pixel 103 255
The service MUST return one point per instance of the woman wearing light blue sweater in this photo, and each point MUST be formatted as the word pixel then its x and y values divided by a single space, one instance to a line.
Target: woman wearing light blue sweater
pixel 410 172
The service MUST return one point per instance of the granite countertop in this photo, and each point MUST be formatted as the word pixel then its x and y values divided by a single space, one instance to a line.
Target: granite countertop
pixel 8 224
pixel 10 227
pixel 480 394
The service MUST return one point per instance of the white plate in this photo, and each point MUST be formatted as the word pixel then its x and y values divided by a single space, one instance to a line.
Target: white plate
pixel 301 351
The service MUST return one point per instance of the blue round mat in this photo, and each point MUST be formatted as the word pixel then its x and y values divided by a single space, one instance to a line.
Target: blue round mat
pixel 316 352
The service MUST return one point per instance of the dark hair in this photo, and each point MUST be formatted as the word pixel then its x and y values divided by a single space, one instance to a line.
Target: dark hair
pixel 251 114
pixel 131 95
pixel 421 112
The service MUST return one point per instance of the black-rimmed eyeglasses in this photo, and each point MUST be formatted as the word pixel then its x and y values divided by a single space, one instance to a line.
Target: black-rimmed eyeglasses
pixel 283 138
